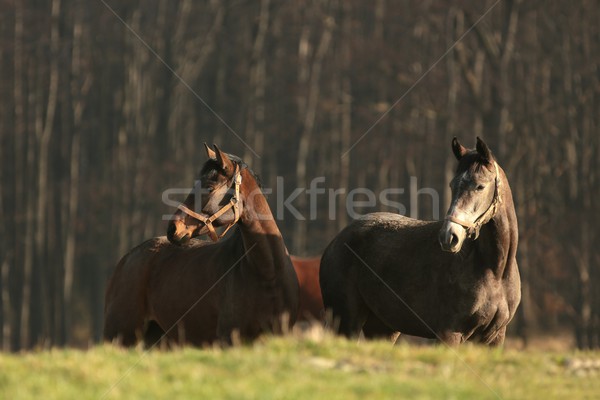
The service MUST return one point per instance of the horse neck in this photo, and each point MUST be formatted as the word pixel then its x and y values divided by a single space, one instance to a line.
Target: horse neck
pixel 501 234
pixel 262 239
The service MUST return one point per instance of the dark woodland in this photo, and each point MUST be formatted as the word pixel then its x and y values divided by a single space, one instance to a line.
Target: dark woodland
pixel 106 105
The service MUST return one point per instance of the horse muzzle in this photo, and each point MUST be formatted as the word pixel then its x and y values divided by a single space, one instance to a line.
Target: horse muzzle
pixel 179 233
pixel 452 237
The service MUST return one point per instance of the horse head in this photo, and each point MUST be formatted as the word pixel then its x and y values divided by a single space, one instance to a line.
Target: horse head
pixel 214 201
pixel 475 195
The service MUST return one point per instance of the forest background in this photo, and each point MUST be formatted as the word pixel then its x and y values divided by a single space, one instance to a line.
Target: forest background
pixel 106 104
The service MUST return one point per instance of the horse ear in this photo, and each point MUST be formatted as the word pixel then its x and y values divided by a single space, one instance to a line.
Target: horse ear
pixel 224 161
pixel 210 152
pixel 458 149
pixel 483 150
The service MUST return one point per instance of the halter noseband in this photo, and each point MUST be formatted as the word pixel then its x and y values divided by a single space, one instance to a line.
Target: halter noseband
pixel 473 228
pixel 233 203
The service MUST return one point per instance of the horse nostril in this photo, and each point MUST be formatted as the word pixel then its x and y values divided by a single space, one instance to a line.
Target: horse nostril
pixel 453 239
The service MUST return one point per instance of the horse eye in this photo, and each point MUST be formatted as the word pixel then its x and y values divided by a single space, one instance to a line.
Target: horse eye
pixel 480 187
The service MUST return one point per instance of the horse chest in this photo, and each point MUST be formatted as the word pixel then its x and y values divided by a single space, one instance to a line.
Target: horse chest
pixel 479 304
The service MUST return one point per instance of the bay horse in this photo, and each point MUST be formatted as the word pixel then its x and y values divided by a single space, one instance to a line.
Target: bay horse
pixel 452 280
pixel 310 304
pixel 200 292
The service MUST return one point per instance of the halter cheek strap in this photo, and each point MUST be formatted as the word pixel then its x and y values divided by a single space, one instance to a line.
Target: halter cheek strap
pixel 233 204
pixel 473 228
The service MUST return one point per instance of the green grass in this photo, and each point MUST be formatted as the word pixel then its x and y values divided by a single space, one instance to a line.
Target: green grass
pixel 299 367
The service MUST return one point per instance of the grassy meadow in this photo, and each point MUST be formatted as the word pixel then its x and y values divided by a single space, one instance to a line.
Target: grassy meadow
pixel 307 366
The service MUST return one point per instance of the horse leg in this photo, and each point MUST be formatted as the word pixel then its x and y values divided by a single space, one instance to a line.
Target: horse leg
pixel 229 332
pixel 349 311
pixel 123 318
pixel 452 339
pixel 125 308
pixel 227 337
pixel 118 326
pixel 351 324
pixel 375 328
pixel 154 335
pixel 498 340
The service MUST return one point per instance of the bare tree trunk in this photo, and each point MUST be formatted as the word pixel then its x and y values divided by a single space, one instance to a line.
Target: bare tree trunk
pixel 451 115
pixel 24 167
pixel 125 163
pixel 221 91
pixel 80 86
pixel 190 56
pixel 582 258
pixel 585 178
pixel 588 174
pixel 346 109
pixel 500 56
pixel 309 117
pixel 146 117
pixel 525 313
pixel 6 316
pixel 44 136
pixel 177 104
pixel 256 109
pixel 577 160
pixel 29 220
pixel 505 89
pixel 473 76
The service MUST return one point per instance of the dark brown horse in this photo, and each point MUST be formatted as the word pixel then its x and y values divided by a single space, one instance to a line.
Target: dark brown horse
pixel 200 292
pixel 453 280
pixel 310 306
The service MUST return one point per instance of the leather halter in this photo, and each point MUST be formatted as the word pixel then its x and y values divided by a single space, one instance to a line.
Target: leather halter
pixel 473 228
pixel 233 203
